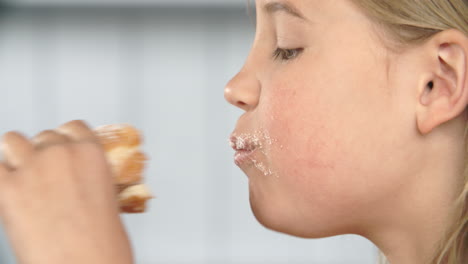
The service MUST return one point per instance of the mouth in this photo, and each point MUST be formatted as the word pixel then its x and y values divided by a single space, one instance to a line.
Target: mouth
pixel 245 146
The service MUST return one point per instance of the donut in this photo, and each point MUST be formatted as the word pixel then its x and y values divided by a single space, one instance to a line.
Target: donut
pixel 122 143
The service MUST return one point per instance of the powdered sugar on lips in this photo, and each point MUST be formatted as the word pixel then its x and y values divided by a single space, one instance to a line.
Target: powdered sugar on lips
pixel 246 144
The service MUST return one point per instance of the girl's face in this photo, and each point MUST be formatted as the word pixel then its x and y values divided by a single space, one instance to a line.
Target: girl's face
pixel 327 136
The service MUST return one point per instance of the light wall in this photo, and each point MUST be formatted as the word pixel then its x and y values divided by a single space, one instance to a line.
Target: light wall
pixel 162 70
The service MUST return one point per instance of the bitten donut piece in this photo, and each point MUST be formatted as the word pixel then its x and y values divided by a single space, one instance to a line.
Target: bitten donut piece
pixel 127 164
pixel 122 147
pixel 118 135
pixel 133 199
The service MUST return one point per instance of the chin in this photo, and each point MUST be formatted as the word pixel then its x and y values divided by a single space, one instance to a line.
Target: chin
pixel 284 218
pixel 275 219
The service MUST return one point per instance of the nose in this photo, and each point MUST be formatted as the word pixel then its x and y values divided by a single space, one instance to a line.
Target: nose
pixel 243 90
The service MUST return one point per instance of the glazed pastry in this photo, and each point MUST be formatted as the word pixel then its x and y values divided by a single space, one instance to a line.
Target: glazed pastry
pixel 122 147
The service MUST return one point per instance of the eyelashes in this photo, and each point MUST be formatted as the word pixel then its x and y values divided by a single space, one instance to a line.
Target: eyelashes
pixel 287 54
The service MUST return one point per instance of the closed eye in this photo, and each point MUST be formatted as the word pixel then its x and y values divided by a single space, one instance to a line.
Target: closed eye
pixel 287 54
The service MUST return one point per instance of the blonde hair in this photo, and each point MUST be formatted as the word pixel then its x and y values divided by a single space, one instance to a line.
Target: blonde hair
pixel 412 22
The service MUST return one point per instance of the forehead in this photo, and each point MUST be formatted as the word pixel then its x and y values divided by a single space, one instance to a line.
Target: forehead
pixel 293 7
pixel 272 7
pixel 322 15
pixel 310 9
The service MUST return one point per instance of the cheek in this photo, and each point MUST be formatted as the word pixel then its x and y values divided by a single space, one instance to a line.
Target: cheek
pixel 329 146
pixel 306 158
pixel 306 145
pixel 302 121
pixel 303 141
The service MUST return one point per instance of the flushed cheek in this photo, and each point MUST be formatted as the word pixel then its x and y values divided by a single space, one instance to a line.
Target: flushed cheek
pixel 306 164
pixel 301 137
pixel 304 187
pixel 307 149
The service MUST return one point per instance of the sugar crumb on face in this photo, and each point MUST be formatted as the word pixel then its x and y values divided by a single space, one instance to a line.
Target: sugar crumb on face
pixel 259 140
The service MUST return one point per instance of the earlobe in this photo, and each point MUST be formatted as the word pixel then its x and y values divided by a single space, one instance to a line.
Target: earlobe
pixel 445 96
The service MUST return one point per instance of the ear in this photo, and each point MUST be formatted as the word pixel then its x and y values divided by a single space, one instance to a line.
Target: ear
pixel 444 89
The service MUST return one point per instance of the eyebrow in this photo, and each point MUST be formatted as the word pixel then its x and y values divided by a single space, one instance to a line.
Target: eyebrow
pixel 274 7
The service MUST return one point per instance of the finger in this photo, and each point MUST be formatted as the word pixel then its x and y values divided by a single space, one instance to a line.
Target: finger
pixel 4 173
pixel 5 167
pixel 4 170
pixel 16 148
pixel 48 138
pixel 78 130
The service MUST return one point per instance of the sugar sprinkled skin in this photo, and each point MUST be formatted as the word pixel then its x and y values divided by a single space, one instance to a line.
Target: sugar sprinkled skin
pixel 261 167
pixel 240 142
pixel 259 139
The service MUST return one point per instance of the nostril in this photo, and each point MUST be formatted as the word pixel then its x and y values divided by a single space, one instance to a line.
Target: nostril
pixel 241 104
pixel 243 90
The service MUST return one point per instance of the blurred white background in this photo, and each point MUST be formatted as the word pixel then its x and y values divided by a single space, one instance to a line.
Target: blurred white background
pixel 161 66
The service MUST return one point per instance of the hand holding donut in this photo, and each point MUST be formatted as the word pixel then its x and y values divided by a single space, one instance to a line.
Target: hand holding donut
pixel 58 198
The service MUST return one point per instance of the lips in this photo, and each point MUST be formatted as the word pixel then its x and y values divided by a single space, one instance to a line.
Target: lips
pixel 245 146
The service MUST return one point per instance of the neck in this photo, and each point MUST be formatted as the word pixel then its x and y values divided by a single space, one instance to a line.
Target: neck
pixel 412 235
pixel 410 226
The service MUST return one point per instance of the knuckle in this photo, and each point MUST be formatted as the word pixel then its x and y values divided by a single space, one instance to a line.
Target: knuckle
pixel 48 137
pixel 43 135
pixel 75 124
pixel 77 130
pixel 11 136
pixel 11 133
